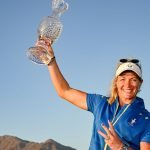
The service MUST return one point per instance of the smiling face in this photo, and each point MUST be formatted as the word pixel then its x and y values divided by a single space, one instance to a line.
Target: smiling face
pixel 128 85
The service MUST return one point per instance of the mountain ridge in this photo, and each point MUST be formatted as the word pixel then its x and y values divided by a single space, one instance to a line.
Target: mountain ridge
pixel 8 142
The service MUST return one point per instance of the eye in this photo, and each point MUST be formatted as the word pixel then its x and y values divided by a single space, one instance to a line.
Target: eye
pixel 134 80
pixel 121 79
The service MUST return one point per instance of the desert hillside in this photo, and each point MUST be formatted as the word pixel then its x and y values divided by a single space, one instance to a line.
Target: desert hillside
pixel 15 143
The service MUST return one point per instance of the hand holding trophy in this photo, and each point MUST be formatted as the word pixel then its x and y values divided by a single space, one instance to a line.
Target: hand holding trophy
pixel 49 28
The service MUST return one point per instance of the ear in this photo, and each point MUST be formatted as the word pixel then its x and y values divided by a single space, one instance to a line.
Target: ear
pixel 141 81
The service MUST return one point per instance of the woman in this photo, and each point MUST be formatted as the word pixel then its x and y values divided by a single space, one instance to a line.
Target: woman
pixel 121 121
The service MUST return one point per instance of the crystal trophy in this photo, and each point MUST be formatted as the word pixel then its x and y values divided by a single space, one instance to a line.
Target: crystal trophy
pixel 50 28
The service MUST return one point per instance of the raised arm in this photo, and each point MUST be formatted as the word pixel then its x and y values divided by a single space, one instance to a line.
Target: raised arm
pixel 63 89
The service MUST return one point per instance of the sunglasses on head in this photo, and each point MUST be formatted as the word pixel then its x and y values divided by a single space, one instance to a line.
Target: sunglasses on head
pixel 129 60
pixel 135 61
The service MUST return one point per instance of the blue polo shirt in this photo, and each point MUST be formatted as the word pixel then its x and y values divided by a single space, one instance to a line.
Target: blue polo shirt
pixel 131 122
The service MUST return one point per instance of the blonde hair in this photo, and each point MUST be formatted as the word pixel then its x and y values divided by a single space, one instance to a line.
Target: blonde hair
pixel 113 94
pixel 113 91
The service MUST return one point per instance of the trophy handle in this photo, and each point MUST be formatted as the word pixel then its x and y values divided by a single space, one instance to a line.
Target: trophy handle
pixel 59 7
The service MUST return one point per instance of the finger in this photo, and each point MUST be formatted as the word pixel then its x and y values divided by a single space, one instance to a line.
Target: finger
pixel 103 135
pixel 47 40
pixel 106 129
pixel 40 42
pixel 111 128
pixel 42 45
pixel 46 45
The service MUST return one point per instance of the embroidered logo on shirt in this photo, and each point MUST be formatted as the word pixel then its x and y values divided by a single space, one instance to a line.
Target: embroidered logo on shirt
pixel 130 65
pixel 132 122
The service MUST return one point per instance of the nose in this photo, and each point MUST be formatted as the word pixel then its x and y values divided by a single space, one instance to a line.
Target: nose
pixel 127 83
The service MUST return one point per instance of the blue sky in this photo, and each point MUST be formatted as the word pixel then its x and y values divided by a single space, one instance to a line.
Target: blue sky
pixel 96 34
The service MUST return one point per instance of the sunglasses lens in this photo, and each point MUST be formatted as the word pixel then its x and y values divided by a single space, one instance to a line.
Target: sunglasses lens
pixel 135 61
pixel 123 60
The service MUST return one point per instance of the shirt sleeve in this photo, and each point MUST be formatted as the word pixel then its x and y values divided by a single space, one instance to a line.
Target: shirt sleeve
pixel 93 101
pixel 146 135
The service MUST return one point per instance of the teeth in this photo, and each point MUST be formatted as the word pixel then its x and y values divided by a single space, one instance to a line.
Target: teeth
pixel 127 91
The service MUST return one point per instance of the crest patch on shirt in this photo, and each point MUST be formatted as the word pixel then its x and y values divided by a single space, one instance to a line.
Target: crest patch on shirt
pixel 132 122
